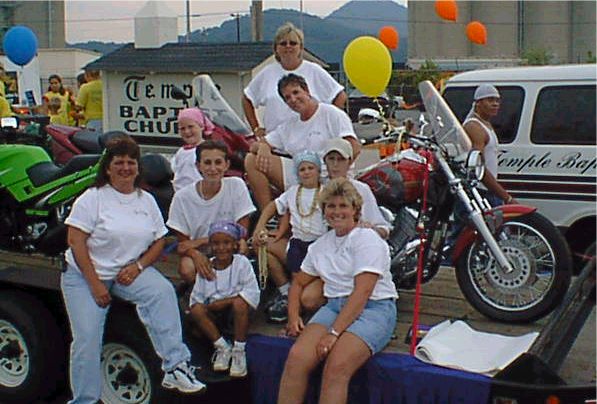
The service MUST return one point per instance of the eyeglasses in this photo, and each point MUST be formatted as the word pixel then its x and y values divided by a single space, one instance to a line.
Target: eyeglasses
pixel 286 43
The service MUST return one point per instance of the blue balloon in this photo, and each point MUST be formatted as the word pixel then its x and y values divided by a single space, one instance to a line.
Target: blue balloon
pixel 20 45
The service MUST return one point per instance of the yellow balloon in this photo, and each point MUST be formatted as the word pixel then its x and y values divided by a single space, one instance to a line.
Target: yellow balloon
pixel 368 65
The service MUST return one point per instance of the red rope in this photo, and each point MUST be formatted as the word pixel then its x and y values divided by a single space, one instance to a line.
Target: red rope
pixel 421 228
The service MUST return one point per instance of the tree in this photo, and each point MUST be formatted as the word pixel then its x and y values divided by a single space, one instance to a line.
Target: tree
pixel 537 56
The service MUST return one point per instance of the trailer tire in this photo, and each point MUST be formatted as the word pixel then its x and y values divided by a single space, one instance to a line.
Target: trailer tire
pixel 131 371
pixel 31 349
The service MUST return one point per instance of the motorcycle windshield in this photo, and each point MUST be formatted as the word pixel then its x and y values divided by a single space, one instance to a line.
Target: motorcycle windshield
pixel 445 126
pixel 209 99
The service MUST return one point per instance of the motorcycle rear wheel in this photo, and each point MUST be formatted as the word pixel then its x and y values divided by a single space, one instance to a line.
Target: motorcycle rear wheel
pixel 542 270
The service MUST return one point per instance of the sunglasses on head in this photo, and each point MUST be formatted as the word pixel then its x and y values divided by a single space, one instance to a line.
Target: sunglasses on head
pixel 286 43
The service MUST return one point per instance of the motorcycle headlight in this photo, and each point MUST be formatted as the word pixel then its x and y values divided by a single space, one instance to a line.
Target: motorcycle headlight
pixel 475 164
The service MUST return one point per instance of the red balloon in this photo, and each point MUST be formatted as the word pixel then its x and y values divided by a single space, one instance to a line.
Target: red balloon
pixel 446 9
pixel 389 36
pixel 476 33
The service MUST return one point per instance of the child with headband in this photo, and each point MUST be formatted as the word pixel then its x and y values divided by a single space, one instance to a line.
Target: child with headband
pixel 192 125
pixel 306 219
pixel 234 289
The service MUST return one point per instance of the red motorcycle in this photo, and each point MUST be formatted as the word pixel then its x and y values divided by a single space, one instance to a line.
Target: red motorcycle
pixel 512 264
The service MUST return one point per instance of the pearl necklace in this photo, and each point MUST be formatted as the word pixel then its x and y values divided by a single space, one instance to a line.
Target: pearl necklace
pixel 313 207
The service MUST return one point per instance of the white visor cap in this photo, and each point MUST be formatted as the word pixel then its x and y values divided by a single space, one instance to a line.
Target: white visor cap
pixel 486 91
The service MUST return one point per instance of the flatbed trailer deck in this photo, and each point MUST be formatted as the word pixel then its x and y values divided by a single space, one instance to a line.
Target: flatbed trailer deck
pixel 38 277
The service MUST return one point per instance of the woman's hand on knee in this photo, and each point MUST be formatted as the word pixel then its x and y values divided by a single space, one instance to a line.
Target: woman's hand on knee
pixel 101 294
pixel 325 345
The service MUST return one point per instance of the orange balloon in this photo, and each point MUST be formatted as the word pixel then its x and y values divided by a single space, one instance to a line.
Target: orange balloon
pixel 446 9
pixel 476 32
pixel 389 36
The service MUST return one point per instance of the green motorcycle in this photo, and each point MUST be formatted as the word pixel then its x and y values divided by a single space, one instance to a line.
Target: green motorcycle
pixel 36 196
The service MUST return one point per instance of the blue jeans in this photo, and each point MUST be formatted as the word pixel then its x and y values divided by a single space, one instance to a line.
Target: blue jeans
pixel 374 325
pixel 157 308
pixel 95 124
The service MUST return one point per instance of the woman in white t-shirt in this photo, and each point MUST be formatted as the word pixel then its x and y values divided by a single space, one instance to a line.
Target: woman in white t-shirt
pixel 360 315
pixel 308 130
pixel 262 91
pixel 115 234
pixel 195 207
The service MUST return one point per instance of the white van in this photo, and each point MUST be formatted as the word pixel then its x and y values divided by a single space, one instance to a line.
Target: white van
pixel 546 128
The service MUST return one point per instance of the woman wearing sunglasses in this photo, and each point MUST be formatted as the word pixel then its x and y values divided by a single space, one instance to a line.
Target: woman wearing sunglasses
pixel 262 91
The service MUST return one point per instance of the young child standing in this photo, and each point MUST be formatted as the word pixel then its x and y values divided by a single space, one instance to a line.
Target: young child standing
pixel 56 115
pixel 234 288
pixel 306 219
pixel 192 125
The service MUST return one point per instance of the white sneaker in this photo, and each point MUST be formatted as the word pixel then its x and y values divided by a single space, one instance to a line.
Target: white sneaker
pixel 182 378
pixel 239 363
pixel 221 359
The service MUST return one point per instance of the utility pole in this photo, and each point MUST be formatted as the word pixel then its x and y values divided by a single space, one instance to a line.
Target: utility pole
pixel 302 11
pixel 237 16
pixel 257 20
pixel 188 36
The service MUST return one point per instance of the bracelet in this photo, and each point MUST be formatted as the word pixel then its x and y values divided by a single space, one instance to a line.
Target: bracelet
pixel 509 199
pixel 139 266
pixel 333 332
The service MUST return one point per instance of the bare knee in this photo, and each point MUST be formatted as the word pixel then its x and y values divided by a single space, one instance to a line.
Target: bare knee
pixel 312 302
pixel 336 371
pixel 186 270
pixel 296 360
pixel 199 311
pixel 250 161
pixel 239 305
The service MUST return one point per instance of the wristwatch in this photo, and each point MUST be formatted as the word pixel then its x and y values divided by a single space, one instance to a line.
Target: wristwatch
pixel 333 332
pixel 139 266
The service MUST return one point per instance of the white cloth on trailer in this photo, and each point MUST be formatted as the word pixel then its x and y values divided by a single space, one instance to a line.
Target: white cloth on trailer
pixel 456 345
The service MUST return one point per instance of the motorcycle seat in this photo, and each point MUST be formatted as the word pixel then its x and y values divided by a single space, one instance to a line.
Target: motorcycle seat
pixel 87 141
pixel 46 172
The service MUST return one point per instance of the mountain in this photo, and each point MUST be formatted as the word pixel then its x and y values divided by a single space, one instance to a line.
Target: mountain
pixel 325 37
pixel 370 16
pixel 96 46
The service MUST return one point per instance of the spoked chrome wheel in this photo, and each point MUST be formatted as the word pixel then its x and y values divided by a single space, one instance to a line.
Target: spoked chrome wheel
pixel 14 356
pixel 125 376
pixel 532 259
pixel 541 271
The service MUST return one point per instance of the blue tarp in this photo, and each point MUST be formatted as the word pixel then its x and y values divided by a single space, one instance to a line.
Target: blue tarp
pixel 385 378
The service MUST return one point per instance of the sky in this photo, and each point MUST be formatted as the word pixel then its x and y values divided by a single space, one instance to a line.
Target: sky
pixel 113 20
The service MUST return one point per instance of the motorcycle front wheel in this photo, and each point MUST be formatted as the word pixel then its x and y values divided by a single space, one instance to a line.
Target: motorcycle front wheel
pixel 542 266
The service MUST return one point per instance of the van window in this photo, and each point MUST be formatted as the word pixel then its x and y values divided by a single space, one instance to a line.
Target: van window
pixel 506 122
pixel 565 115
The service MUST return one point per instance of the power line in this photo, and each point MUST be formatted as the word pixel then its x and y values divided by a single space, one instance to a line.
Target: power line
pixel 245 12
pixel 66 20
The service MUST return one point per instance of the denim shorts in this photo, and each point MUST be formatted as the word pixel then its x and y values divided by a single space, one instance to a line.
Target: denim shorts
pixel 297 251
pixel 374 325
